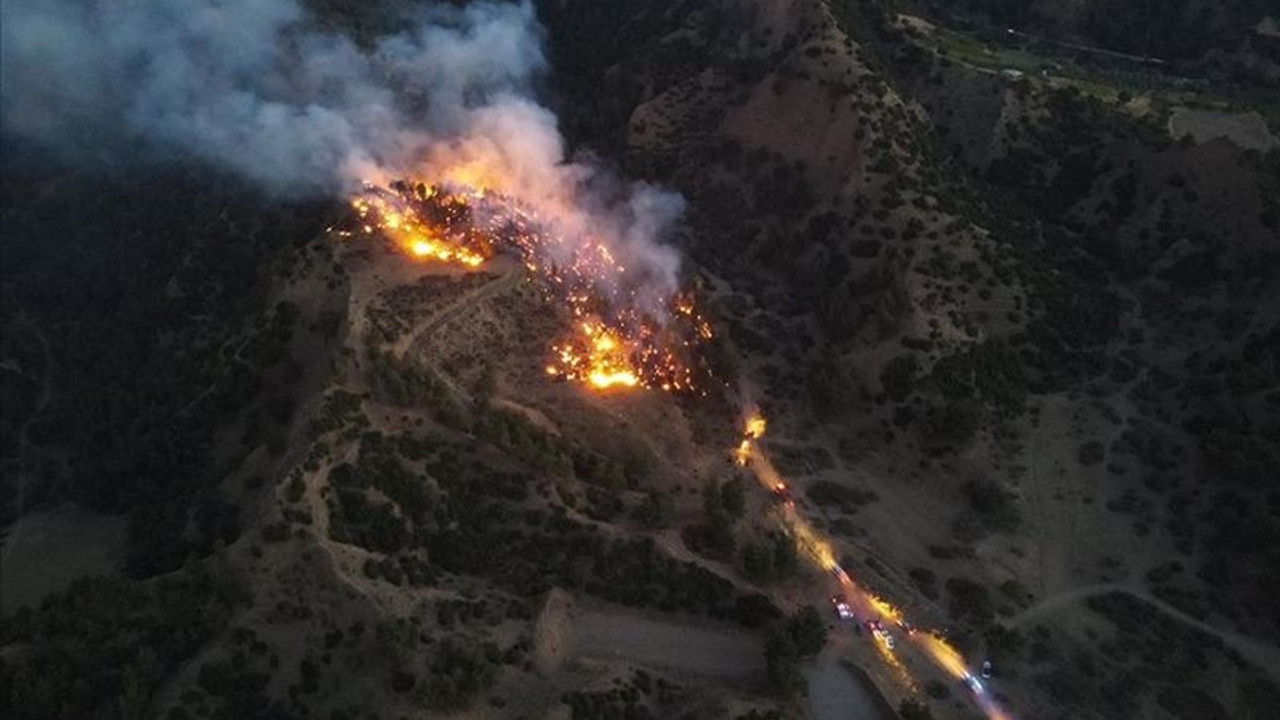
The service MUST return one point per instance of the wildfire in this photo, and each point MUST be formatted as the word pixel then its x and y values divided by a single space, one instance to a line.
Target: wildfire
pixel 392 215
pixel 752 431
pixel 947 657
pixel 617 340
pixel 429 248
pixel 599 357
pixel 886 610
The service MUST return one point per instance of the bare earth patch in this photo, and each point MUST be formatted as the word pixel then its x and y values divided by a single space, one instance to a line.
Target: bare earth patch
pixel 615 634
pixel 46 551
pixel 1248 130
pixel 835 694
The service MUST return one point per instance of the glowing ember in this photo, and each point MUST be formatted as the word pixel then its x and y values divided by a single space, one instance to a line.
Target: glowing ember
pixel 620 339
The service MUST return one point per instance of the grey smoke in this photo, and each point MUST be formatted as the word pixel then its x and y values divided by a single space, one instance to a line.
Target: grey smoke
pixel 258 88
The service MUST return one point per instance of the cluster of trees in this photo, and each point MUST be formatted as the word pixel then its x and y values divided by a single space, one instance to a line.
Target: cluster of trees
pixel 754 714
pixel 1154 654
pixel 723 504
pixel 970 601
pixel 833 385
pixel 642 698
pixel 914 710
pixel 473 612
pixel 386 526
pixel 458 671
pixel 441 672
pixel 769 559
pixel 898 377
pixel 994 506
pixel 991 372
pixel 1003 644
pixel 341 409
pixel 634 700
pixel 463 517
pixel 236 687
pixel 616 704
pixel 404 383
pixel 657 510
pixel 762 559
pixel 163 276
pixel 926 581
pixel 800 636
pixel 570 555
pixel 560 457
pixel 106 645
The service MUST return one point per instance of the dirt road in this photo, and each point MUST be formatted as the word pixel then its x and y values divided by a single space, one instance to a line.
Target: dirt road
pixel 911 658
pixel 510 276
pixel 618 634
pixel 835 694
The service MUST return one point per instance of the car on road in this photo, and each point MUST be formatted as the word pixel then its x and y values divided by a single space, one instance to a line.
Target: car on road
pixel 884 637
pixel 986 669
pixel 974 683
pixel 782 493
pixel 843 611
pixel 879 633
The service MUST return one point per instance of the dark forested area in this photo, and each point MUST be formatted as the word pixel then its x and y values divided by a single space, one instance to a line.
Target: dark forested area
pixel 108 643
pixel 137 284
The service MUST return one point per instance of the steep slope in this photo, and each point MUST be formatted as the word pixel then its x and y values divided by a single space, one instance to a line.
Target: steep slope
pixel 1007 309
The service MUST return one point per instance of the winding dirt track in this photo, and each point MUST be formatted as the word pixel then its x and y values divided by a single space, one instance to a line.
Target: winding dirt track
pixel 1261 654
pixel 507 280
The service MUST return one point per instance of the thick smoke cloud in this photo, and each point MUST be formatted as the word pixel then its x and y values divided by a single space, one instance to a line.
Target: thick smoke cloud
pixel 255 87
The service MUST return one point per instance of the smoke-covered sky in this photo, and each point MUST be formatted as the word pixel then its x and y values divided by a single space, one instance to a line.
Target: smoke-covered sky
pixel 254 86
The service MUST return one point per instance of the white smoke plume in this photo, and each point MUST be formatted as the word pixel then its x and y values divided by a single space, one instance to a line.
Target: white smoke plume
pixel 256 87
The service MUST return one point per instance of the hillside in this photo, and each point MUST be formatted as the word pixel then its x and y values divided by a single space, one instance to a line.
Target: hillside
pixel 1012 320
pixel 1016 304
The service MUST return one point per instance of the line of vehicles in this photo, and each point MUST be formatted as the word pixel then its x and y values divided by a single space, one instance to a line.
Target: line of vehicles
pixel 843 607
pixel 844 613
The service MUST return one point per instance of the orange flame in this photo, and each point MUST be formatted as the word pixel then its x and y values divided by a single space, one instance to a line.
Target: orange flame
pixel 430 248
pixel 617 342
pixel 947 657
pixel 380 212
pixel 886 610
pixel 753 430
pixel 599 356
